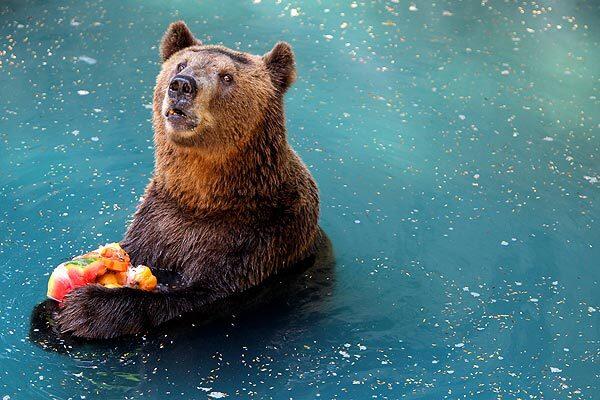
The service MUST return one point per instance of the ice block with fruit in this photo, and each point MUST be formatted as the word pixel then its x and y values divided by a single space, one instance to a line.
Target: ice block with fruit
pixel 109 266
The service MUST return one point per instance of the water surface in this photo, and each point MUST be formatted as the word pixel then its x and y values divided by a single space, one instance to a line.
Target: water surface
pixel 456 149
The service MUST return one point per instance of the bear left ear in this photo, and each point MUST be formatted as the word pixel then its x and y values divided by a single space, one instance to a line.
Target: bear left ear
pixel 177 37
pixel 282 66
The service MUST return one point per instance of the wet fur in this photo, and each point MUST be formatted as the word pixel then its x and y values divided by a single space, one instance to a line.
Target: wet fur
pixel 226 211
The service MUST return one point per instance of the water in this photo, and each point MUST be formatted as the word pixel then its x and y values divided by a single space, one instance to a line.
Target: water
pixel 456 149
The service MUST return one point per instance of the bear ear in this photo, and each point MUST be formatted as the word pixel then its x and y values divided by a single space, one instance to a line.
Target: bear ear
pixel 177 37
pixel 281 65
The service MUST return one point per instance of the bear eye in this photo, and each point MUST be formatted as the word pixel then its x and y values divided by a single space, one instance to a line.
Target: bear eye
pixel 181 67
pixel 227 78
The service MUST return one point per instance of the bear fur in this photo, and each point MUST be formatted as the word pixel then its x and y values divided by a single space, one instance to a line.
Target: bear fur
pixel 229 205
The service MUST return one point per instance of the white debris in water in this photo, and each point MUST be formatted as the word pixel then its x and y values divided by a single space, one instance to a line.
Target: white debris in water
pixel 356 382
pixel 533 300
pixel 344 25
pixel 530 30
pixel 148 106
pixel 294 12
pixel 87 60
pixel 256 1
pixel 591 179
pixel 475 294
pixel 75 132
pixel 95 138
pixel 413 7
pixel 328 37
pixel 459 345
pixel 462 117
pixel 504 243
pixel 505 72
pixel 357 221
pixel 83 92
pixel 217 395
pixel 548 139
pixel 447 13
pixel 555 370
pixel 74 22
pixel 591 309
pixel 362 347
pixel 344 354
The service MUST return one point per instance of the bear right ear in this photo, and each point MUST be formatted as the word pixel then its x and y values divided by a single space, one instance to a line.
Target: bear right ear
pixel 177 37
pixel 281 65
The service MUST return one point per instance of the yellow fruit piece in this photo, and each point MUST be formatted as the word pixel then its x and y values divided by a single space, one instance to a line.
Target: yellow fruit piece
pixel 141 276
pixel 109 280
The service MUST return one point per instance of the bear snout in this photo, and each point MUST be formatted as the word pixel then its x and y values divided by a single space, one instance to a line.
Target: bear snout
pixel 182 87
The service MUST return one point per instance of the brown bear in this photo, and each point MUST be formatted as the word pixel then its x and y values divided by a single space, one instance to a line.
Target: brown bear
pixel 230 203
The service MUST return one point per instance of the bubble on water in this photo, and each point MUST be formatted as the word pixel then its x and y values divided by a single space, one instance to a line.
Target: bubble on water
pixel 83 92
pixel 447 13
pixel 87 60
pixel 413 7
pixel 504 243
pixel 555 370
pixel 217 395
pixel 548 139
pixel 95 138
pixel 294 12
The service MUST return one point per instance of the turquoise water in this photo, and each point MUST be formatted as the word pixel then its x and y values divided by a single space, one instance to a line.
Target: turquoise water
pixel 456 149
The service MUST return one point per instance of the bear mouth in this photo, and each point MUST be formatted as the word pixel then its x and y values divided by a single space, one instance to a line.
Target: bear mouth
pixel 179 119
pixel 175 112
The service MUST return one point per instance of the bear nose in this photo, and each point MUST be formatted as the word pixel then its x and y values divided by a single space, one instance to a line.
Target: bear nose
pixel 182 86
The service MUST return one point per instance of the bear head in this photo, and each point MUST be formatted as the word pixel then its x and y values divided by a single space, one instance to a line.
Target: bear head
pixel 213 98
